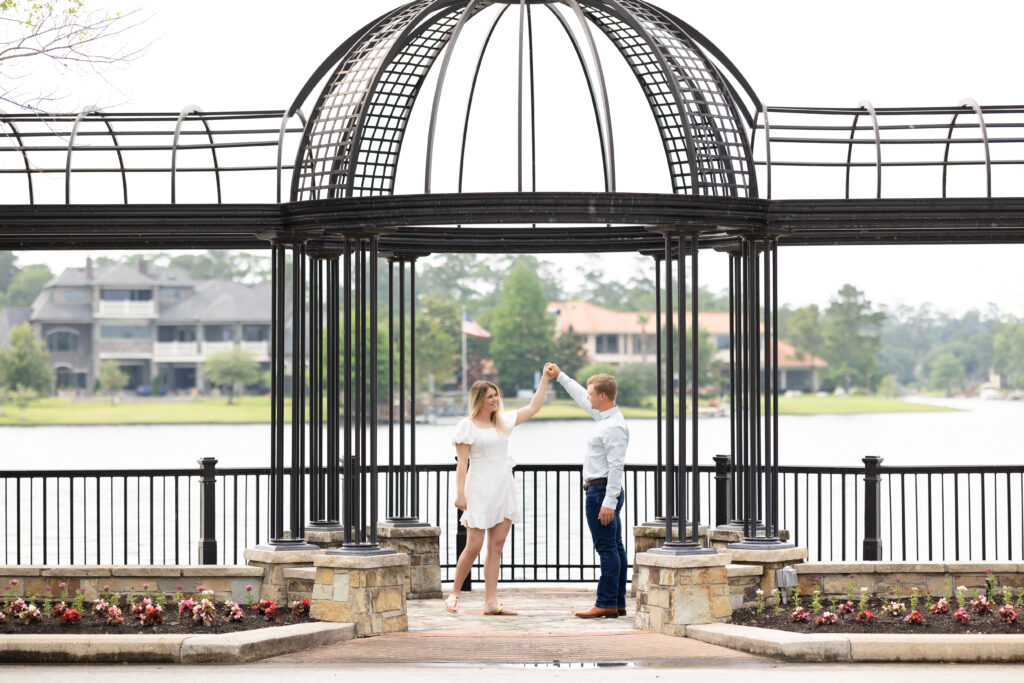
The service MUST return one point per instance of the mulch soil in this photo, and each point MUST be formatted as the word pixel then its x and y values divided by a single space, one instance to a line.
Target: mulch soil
pixel 92 624
pixel 988 622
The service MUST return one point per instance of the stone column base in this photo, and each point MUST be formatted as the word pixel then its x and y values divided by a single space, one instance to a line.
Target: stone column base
pixel 720 538
pixel 365 590
pixel 328 539
pixel 646 538
pixel 274 562
pixel 770 561
pixel 673 591
pixel 423 546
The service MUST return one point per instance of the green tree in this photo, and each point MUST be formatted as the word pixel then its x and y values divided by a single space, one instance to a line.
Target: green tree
pixel 232 369
pixel 635 382
pixel 24 366
pixel 569 352
pixel 438 327
pixel 8 269
pixel 522 332
pixel 851 333
pixel 26 285
pixel 803 330
pixel 111 379
pixel 1009 353
pixel 947 373
pixel 594 369
pixel 22 397
pixel 223 265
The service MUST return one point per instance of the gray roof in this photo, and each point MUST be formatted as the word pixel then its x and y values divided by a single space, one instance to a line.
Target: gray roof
pixel 221 301
pixel 10 318
pixel 44 308
pixel 123 275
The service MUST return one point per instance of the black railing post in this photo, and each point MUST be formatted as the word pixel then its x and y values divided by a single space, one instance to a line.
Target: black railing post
pixel 460 545
pixel 723 490
pixel 208 510
pixel 872 509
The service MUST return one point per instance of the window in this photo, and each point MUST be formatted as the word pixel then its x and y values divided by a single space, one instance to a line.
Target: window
pixel 219 333
pixel 166 333
pixel 126 295
pixel 607 343
pixel 255 333
pixel 62 341
pixel 126 332
pixel 172 294
pixel 72 296
pixel 65 378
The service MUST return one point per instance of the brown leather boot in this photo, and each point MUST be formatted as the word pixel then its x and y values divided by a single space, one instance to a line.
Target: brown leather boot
pixel 622 611
pixel 595 612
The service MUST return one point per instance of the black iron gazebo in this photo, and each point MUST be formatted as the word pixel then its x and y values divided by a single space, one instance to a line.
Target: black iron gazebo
pixel 110 179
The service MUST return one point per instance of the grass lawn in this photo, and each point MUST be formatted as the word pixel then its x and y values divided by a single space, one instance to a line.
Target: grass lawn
pixel 256 409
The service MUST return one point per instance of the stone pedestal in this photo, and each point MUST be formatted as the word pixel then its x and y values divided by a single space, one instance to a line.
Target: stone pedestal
pixel 365 590
pixel 720 538
pixel 274 563
pixel 422 545
pixel 647 537
pixel 328 539
pixel 673 591
pixel 770 561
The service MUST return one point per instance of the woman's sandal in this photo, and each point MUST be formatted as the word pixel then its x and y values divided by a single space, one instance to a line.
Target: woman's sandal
pixel 501 611
pixel 451 604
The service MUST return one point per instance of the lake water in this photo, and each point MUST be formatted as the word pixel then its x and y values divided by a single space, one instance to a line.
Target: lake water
pixel 980 433
pixel 114 515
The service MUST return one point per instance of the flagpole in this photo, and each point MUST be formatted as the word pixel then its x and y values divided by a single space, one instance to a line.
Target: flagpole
pixel 462 328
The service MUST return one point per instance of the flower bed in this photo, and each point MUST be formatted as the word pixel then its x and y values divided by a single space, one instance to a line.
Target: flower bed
pixel 149 612
pixel 956 611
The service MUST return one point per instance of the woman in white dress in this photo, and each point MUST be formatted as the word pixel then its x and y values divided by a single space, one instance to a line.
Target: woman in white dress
pixel 486 492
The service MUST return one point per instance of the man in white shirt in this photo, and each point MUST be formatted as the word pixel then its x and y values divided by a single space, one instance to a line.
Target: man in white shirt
pixel 603 486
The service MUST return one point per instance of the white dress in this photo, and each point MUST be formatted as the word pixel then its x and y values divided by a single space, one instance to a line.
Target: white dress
pixel 491 494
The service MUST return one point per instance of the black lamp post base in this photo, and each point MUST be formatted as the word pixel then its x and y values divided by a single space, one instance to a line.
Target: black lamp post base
pixel 327 525
pixel 682 548
pixel 361 550
pixel 740 525
pixel 760 543
pixel 658 521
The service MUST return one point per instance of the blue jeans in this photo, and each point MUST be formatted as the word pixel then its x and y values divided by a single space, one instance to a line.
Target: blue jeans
pixel 611 587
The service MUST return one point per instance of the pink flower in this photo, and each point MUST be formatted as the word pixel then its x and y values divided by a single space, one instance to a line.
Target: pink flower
pixel 897 579
pixel 14 582
pixel 178 587
pixel 248 588
pixel 106 587
pixel 145 586
pixel 200 588
pixel 47 589
pixel 62 585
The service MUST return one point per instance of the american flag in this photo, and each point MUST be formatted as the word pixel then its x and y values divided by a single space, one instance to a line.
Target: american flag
pixel 472 327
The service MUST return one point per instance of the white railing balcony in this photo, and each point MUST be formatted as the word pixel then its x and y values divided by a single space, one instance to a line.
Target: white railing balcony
pixel 176 349
pixel 127 309
pixel 260 349
pixel 210 348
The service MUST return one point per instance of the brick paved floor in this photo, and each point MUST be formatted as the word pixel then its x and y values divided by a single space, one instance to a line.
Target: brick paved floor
pixel 545 631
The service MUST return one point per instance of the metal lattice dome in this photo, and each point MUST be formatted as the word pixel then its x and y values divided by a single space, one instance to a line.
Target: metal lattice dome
pixel 360 123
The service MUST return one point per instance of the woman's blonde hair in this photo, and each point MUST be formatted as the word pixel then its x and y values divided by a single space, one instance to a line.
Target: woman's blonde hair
pixel 477 394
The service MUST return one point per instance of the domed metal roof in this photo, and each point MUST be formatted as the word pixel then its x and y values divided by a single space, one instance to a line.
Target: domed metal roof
pixel 355 135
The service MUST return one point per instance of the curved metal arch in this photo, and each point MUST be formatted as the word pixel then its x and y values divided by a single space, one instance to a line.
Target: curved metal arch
pixel 969 102
pixel 24 156
pixel 439 89
pixel 401 43
pixel 867 107
pixel 472 93
pixel 767 147
pixel 71 148
pixel 609 137
pixel 735 102
pixel 724 169
pixel 622 15
pixel 185 113
pixel 607 156
pixel 285 118
pixel 120 156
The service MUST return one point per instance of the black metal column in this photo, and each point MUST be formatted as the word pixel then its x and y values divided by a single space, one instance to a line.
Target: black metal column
pixel 659 472
pixel 872 548
pixel 676 480
pixel 324 338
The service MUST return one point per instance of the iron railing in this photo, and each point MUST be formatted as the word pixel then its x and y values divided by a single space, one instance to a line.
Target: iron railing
pixel 153 516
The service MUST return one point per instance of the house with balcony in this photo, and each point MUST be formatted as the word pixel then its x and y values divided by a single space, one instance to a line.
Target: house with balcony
pixel 158 324
pixel 622 337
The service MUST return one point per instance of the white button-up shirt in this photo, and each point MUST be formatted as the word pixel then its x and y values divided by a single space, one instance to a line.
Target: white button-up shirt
pixel 606 448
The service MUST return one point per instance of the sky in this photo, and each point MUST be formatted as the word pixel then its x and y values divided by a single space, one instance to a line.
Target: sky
pixel 231 55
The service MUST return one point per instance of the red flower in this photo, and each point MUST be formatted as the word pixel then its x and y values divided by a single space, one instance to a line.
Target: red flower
pixel 1008 614
pixel 962 616
pixel 800 615
pixel 914 617
pixel 981 605
pixel 865 617
pixel 70 616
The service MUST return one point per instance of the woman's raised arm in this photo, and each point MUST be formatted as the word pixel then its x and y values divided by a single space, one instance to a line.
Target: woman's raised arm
pixel 535 404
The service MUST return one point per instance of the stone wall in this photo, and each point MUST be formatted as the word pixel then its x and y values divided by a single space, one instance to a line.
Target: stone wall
pixel 422 545
pixel 227 582
pixel 744 580
pixel 880 578
pixel 368 591
pixel 675 591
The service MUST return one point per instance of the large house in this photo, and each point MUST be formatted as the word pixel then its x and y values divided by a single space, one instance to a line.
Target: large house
pixel 621 337
pixel 157 324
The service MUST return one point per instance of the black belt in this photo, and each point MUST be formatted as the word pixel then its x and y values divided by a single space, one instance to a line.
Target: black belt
pixel 594 482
